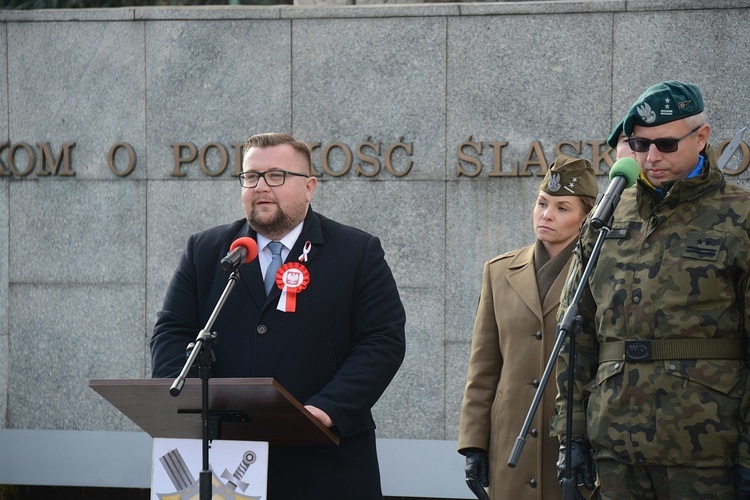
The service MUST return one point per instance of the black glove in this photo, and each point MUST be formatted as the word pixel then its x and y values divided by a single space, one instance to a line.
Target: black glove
pixel 581 464
pixel 743 483
pixel 477 470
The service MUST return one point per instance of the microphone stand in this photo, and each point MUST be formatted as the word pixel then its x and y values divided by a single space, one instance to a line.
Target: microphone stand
pixel 202 349
pixel 570 323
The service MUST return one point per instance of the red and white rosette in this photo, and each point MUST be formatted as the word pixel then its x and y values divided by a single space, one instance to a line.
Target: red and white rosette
pixel 292 278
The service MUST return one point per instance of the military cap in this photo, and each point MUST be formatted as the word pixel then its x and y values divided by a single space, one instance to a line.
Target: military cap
pixel 568 176
pixel 663 103
pixel 614 136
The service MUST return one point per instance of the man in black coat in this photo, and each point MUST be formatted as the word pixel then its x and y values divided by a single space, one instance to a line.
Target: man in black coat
pixel 335 344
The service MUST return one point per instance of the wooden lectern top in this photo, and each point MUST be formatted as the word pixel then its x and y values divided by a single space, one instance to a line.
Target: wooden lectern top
pixel 249 409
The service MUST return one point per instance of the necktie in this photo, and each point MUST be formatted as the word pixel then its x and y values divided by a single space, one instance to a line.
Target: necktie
pixel 273 266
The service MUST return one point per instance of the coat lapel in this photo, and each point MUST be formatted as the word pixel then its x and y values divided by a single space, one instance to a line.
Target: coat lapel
pixel 522 277
pixel 251 275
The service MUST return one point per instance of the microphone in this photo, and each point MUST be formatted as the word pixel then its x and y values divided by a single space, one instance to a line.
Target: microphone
pixel 623 174
pixel 241 251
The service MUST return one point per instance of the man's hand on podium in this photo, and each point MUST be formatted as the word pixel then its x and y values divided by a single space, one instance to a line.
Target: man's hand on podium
pixel 320 415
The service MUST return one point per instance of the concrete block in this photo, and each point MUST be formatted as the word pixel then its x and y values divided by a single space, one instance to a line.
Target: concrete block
pixel 484 219
pixel 412 406
pixel 672 54
pixel 514 85
pixel 77 232
pixel 406 216
pixel 372 80
pixel 213 84
pixel 63 335
pixel 85 86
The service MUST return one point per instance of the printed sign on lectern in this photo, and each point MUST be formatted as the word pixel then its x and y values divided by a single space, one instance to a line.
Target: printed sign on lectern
pixel 239 469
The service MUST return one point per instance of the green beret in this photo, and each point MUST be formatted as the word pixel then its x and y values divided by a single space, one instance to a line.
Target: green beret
pixel 614 136
pixel 568 176
pixel 663 103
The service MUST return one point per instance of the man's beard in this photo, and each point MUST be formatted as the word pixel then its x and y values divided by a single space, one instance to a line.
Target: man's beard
pixel 279 225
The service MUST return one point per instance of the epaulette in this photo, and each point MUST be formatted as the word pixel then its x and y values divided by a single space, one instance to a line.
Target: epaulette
pixel 506 255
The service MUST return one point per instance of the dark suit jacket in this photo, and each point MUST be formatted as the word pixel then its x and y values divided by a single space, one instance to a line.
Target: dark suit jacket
pixel 338 351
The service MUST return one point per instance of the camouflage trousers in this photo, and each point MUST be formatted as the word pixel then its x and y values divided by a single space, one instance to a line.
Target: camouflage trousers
pixel 618 481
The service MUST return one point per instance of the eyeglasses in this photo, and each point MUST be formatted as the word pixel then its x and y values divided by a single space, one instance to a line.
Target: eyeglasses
pixel 640 145
pixel 273 178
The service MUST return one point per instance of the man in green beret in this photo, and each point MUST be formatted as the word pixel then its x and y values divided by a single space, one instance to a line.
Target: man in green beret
pixel 661 390
pixel 514 336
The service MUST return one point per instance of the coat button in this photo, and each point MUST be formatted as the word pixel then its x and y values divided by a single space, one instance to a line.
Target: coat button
pixel 538 335
pixel 261 329
pixel 534 433
pixel 535 383
pixel 532 483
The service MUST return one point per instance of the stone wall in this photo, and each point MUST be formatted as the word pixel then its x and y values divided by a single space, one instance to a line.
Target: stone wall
pixel 433 124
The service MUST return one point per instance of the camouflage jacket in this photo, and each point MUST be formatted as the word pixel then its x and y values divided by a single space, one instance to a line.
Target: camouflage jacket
pixel 671 268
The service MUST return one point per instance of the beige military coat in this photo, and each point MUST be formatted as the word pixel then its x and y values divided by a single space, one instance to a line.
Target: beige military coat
pixel 512 340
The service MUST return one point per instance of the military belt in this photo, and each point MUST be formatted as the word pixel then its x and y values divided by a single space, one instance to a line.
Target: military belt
pixel 654 350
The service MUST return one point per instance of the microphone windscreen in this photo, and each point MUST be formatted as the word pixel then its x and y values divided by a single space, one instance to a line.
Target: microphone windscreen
pixel 250 245
pixel 626 167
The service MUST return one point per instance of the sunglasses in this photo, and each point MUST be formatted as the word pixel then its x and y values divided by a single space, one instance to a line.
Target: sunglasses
pixel 664 145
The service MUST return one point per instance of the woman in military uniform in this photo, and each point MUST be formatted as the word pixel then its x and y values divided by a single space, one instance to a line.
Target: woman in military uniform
pixel 514 334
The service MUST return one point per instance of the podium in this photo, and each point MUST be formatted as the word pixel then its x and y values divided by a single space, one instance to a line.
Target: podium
pixel 246 409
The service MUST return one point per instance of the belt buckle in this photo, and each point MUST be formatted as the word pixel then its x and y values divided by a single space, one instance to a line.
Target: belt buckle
pixel 637 350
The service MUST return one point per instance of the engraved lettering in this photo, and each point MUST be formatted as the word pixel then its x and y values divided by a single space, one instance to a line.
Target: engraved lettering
pixel 334 160
pixel 576 146
pixel 177 148
pixel 47 160
pixel 238 158
pixel 597 157
pixel 541 161
pixel 30 159
pixel 743 163
pixel 408 147
pixel 371 160
pixel 223 162
pixel 4 172
pixel 313 146
pixel 476 146
pixel 112 159
pixel 325 159
pixel 497 160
